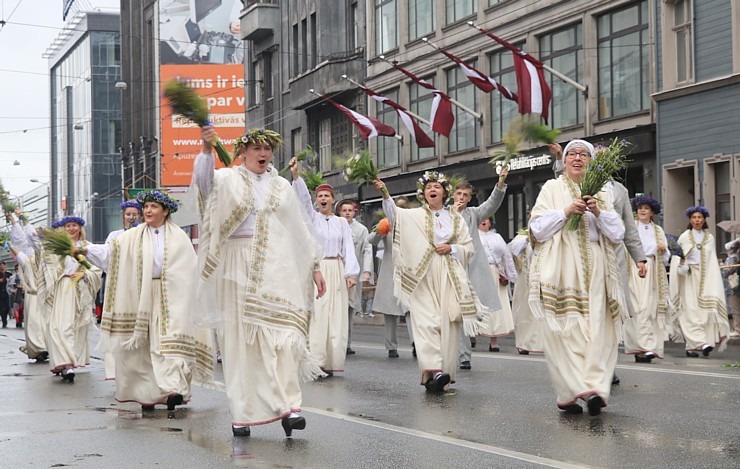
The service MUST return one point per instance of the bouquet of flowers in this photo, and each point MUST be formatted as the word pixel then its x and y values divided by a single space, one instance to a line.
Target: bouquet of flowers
pixel 307 154
pixel 186 102
pixel 603 167
pixel 360 169
pixel 60 243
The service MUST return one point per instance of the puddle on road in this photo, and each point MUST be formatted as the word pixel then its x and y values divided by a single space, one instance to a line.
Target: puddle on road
pixel 171 429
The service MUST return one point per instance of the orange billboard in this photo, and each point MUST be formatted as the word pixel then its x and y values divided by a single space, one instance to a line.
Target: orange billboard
pixel 222 87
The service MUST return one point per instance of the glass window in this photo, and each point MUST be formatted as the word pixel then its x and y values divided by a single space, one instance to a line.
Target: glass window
pixel 314 42
pixel 502 109
pixel 304 45
pixel 624 61
pixel 563 51
pixel 420 103
pixel 325 145
pixel 682 19
pixel 386 25
pixel 459 9
pixel 495 2
pixel 723 208
pixel 421 18
pixel 389 148
pixel 296 48
pixel 464 134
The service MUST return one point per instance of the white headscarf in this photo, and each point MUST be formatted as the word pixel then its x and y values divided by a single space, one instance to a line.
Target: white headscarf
pixel 579 144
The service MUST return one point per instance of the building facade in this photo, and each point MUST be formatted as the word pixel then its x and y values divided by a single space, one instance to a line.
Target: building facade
pixel 603 45
pixel 84 66
pixel 697 101
pixel 296 46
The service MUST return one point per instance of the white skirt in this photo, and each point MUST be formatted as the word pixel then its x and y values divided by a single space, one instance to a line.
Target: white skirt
pixel 67 331
pixel 36 325
pixel 528 329
pixel 329 323
pixel 500 323
pixel 643 332
pixel 698 326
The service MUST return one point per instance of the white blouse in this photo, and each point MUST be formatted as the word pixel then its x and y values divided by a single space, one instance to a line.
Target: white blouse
pixel 334 232
pixel 99 254
pixel 543 228
pixel 694 257
pixel 203 170
pixel 498 253
pixel 442 224
pixel 649 243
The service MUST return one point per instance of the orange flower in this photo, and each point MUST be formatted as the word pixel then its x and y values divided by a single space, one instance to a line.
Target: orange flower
pixel 384 227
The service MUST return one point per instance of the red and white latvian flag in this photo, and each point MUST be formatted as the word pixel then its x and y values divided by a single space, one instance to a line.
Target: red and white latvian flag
pixel 441 117
pixel 479 79
pixel 369 127
pixel 534 92
pixel 422 139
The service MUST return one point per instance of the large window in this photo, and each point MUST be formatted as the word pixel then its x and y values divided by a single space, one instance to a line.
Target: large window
pixel 389 148
pixel 563 51
pixel 682 18
pixel 464 134
pixel 624 61
pixel 459 9
pixel 386 25
pixel 502 109
pixel 421 18
pixel 420 103
pixel 295 55
pixel 723 208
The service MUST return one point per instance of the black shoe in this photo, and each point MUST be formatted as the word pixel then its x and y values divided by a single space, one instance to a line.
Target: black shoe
pixel 42 357
pixel 573 408
pixel 465 365
pixel 174 400
pixel 615 379
pixel 413 350
pixel 643 359
pixel 392 353
pixel 438 383
pixel 691 354
pixel 328 374
pixel 707 350
pixel 594 404
pixel 293 423
pixel 147 408
pixel 69 376
pixel 240 431
pixel 493 349
pixel 524 352
pixel 350 351
pixel 472 342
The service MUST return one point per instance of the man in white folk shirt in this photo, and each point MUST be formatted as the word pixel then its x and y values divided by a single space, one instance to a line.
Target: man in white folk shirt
pixel 347 209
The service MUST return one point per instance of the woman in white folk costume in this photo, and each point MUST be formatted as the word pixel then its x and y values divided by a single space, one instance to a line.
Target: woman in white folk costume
pixel 575 284
pixel 71 298
pixel 503 271
pixel 147 316
pixel 26 248
pixel 339 266
pixel 130 216
pixel 528 337
pixel 647 329
pixel 431 247
pixel 696 288
pixel 256 266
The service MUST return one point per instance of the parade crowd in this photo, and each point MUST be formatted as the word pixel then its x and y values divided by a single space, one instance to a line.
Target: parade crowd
pixel 280 272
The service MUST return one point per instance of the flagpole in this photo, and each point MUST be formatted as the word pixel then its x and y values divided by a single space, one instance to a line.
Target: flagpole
pixel 454 101
pixel 314 92
pixel 415 116
pixel 566 79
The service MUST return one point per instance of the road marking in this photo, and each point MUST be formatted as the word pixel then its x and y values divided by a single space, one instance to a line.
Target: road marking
pixel 649 369
pixel 452 441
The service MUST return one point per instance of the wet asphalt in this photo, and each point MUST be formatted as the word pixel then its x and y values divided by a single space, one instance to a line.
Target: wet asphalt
pixel 675 412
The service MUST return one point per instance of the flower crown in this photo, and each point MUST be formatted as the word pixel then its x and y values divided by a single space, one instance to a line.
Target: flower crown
pixel 66 220
pixel 262 136
pixel 130 204
pixel 645 200
pixel 697 208
pixel 432 176
pixel 159 197
pixel 56 224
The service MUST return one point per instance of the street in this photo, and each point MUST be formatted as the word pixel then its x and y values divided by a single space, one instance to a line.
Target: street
pixel 676 412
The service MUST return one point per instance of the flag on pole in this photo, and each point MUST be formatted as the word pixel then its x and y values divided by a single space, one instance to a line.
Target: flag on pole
pixel 479 79
pixel 369 127
pixel 421 138
pixel 534 92
pixel 442 117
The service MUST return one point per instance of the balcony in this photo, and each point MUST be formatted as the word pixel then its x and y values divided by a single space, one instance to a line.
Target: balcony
pixel 259 19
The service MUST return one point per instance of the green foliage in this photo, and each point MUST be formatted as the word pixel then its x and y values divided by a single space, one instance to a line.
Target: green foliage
pixel 313 178
pixel 308 155
pixel 60 243
pixel 360 169
pixel 534 131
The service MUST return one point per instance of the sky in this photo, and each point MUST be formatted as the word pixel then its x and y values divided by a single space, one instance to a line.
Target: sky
pixel 31 26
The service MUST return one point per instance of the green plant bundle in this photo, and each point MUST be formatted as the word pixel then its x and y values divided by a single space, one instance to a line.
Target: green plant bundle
pixel 360 169
pixel 60 243
pixel 307 154
pixel 186 102
pixel 534 131
pixel 313 178
pixel 607 163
